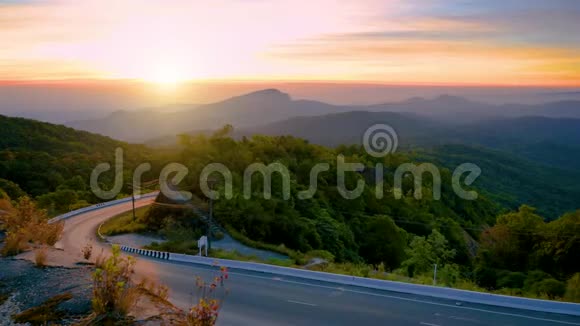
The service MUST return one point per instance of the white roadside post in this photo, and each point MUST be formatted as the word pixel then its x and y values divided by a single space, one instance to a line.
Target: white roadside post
pixel 435 274
pixel 202 242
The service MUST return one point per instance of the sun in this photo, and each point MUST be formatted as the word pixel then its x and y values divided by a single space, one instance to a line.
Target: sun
pixel 167 76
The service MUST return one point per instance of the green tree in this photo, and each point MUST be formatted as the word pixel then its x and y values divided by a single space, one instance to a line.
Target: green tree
pixel 511 244
pixel 561 245
pixel 383 242
pixel 424 252
pixel 58 201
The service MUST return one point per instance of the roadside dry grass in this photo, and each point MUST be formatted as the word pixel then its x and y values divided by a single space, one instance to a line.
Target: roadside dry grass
pixel 119 299
pixel 27 226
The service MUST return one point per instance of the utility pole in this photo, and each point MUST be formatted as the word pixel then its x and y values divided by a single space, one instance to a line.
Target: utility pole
pixel 209 223
pixel 133 200
pixel 130 185
pixel 211 181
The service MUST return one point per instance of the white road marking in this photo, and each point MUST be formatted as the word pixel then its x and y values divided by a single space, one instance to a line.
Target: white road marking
pixel 462 318
pixel 414 300
pixel 428 324
pixel 302 303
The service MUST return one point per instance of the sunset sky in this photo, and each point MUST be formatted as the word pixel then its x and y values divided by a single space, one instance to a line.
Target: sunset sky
pixel 512 42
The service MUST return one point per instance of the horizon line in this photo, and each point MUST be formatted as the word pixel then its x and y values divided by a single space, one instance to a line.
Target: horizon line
pixel 128 81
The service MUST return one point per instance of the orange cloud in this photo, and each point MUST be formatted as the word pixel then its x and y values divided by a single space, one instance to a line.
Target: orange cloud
pixel 385 41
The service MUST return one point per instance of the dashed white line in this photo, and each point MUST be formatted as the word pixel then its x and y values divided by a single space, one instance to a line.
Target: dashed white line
pixel 415 300
pixel 302 303
pixel 462 318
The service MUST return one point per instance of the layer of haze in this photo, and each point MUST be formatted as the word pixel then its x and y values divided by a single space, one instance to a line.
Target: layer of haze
pixel 63 102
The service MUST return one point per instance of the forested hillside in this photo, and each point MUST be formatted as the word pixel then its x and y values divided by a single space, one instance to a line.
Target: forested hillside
pixel 511 180
pixel 53 163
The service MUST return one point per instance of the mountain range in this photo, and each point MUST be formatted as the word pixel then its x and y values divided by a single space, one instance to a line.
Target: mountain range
pixel 257 109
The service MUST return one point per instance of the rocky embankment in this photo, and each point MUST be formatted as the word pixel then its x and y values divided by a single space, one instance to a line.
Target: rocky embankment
pixel 24 286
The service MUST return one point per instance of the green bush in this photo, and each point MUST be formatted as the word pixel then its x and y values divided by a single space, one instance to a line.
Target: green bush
pixel 573 289
pixel 179 233
pixel 448 275
pixel 552 288
pixel 486 277
pixel 533 278
pixel 511 280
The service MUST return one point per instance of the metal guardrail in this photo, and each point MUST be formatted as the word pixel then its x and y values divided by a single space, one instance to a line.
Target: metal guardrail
pixel 145 252
pixel 565 308
pixel 99 206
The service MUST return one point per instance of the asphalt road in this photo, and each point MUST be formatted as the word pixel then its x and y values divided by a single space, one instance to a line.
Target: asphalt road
pixel 262 299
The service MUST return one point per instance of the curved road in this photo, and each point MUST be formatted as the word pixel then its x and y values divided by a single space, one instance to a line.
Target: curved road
pixel 262 299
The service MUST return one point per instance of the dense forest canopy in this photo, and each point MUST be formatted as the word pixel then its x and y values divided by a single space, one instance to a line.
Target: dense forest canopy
pixel 326 221
pixel 511 180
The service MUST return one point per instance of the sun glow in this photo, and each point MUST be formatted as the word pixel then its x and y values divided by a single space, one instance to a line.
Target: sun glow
pixel 166 43
pixel 167 76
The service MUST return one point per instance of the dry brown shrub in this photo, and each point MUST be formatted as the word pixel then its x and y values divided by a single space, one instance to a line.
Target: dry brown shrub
pixel 26 226
pixel 40 256
pixel 15 243
pixel 87 251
